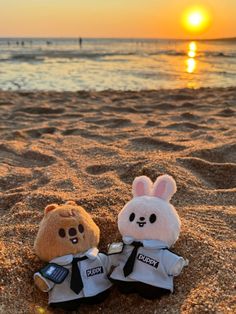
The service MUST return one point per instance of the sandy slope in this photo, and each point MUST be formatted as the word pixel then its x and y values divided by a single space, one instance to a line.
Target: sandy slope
pixel 88 147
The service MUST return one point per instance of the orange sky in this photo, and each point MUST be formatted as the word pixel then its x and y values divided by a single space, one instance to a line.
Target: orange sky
pixel 111 18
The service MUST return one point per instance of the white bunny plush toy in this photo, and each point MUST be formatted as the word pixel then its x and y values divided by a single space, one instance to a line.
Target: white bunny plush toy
pixel 149 226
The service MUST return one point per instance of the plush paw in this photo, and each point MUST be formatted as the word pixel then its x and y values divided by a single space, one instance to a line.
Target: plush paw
pixel 178 267
pixel 40 283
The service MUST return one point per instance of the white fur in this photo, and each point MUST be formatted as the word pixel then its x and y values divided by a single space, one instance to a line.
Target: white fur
pixel 167 225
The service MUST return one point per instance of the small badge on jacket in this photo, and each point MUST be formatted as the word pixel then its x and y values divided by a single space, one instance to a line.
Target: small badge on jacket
pixel 115 248
pixel 54 272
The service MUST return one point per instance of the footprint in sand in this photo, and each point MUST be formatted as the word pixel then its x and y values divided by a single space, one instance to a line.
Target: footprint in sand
pixel 151 123
pixel 188 105
pixel 226 113
pixel 109 122
pixel 98 169
pixel 180 97
pixel 75 131
pixel 90 135
pixel 24 158
pixel 17 185
pixel 219 154
pixel 37 133
pixel 166 106
pixel 102 151
pixel 32 133
pixel 214 175
pixel 6 103
pixel 128 109
pixel 103 183
pixel 149 143
pixel 14 181
pixel 186 126
pixel 41 110
pixel 64 185
pixel 9 200
pixel 118 123
pixel 126 171
pixel 189 116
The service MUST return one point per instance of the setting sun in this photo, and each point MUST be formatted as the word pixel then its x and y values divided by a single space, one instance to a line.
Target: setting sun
pixel 196 20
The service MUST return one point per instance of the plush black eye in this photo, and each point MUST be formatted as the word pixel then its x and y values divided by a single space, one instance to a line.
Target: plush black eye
pixel 81 228
pixel 131 217
pixel 152 218
pixel 62 233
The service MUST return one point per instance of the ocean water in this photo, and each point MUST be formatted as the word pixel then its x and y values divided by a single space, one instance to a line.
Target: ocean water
pixel 120 64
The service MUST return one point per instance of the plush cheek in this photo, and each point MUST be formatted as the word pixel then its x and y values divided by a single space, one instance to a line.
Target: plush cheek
pixel 160 230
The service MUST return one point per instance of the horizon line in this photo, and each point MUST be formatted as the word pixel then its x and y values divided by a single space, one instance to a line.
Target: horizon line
pixel 140 38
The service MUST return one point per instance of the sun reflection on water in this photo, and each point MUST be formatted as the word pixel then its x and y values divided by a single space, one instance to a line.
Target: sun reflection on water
pixel 191 65
pixel 191 62
pixel 191 54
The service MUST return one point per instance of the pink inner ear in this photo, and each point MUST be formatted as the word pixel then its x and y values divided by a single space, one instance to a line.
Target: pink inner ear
pixel 160 189
pixel 140 189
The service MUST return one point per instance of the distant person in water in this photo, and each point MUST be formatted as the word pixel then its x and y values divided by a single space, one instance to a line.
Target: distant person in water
pixel 80 42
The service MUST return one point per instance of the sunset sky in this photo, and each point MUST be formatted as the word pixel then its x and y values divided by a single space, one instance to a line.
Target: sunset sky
pixel 112 18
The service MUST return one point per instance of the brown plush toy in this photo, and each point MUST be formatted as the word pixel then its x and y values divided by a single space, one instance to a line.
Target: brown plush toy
pixel 76 272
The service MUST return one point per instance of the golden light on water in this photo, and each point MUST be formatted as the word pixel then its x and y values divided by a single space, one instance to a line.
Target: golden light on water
pixel 191 62
pixel 196 20
pixel 192 46
pixel 191 65
pixel 191 54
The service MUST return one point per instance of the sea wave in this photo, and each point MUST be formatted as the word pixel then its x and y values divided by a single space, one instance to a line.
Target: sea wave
pixel 41 56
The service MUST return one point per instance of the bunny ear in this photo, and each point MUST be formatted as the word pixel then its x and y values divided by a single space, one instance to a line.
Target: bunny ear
pixel 164 187
pixel 142 186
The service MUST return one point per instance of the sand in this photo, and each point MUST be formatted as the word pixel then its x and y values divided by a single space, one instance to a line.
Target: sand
pixel 88 147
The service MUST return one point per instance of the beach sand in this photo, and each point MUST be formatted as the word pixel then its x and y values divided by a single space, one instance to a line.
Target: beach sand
pixel 88 147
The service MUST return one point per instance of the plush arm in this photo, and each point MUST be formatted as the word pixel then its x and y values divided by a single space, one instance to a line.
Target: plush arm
pixel 173 263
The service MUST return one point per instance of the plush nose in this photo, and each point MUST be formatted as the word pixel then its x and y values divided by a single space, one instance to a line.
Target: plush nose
pixel 141 218
pixel 72 232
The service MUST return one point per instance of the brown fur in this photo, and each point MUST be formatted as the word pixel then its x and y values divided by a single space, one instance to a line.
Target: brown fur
pixel 49 245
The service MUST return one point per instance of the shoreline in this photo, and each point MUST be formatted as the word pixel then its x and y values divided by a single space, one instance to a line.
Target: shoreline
pixel 88 146
pixel 118 91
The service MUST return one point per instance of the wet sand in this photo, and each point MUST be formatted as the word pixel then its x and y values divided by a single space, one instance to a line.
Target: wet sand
pixel 88 147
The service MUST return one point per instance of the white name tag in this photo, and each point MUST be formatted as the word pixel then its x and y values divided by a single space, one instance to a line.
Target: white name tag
pixel 94 271
pixel 148 260
pixel 115 248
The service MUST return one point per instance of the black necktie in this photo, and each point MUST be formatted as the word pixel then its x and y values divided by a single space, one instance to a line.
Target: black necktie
pixel 129 265
pixel 76 283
